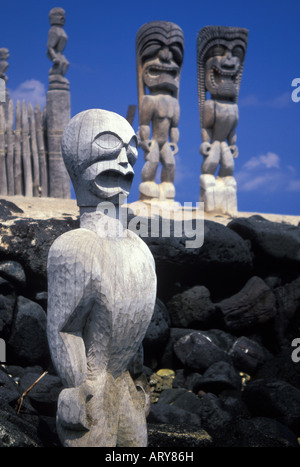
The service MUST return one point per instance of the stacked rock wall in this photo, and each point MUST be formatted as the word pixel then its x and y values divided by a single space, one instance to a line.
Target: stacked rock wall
pixel 217 354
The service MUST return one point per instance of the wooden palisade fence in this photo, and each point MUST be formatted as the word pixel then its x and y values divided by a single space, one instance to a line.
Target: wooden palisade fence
pixel 23 152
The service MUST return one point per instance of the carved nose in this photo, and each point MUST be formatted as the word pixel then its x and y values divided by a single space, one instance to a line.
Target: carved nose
pixel 229 59
pixel 123 159
pixel 165 54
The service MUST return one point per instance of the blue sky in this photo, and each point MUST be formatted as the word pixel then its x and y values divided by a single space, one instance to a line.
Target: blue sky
pixel 102 74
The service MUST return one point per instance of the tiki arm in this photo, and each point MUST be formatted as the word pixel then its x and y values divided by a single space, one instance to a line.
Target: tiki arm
pixel 73 298
pixel 60 63
pixel 52 40
pixel 174 132
pixel 232 143
pixel 146 114
pixel 70 300
pixel 207 126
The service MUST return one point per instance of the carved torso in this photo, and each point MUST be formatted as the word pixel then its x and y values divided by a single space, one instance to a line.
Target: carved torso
pixel 163 111
pixel 113 301
pixel 221 117
pixel 57 38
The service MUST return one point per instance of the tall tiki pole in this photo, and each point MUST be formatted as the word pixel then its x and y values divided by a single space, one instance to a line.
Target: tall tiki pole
pixel 41 151
pixel 17 152
pixel 34 153
pixel 26 151
pixel 58 105
pixel 3 178
pixel 159 56
pixel 10 150
pixel 221 53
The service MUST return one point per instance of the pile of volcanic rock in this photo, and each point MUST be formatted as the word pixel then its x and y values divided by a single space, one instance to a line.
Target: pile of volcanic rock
pixel 217 354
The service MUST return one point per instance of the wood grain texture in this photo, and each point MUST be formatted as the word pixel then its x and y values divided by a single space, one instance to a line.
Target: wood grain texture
pixel 41 151
pixel 17 152
pixel 26 157
pixel 3 176
pixel 10 150
pixel 34 152
pixel 101 298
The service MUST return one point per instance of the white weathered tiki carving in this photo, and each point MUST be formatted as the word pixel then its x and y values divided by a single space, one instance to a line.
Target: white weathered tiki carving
pixel 220 58
pixel 159 55
pixel 58 104
pixel 101 290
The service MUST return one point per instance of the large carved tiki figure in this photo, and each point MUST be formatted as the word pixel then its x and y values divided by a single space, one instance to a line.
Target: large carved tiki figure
pixel 159 52
pixel 101 291
pixel 220 57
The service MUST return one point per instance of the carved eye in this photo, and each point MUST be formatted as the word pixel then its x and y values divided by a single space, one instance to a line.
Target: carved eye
pixel 108 141
pixel 238 52
pixel 132 145
pixel 150 50
pixel 177 53
pixel 217 50
pixel 132 151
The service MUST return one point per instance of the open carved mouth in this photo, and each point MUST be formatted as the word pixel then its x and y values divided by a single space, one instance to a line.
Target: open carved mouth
pixel 218 75
pixel 112 179
pixel 155 71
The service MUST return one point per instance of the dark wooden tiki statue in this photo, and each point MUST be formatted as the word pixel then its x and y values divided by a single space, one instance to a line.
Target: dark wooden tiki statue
pixel 159 55
pixel 220 59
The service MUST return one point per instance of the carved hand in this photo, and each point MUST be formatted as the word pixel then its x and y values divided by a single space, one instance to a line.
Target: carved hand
pixel 205 148
pixel 72 407
pixel 234 151
pixel 146 144
pixel 174 148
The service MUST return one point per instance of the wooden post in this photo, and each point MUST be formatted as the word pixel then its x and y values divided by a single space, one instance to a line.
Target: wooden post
pixel 130 113
pixel 58 116
pixel 41 151
pixel 26 151
pixel 3 178
pixel 34 153
pixel 18 160
pixel 58 105
pixel 10 150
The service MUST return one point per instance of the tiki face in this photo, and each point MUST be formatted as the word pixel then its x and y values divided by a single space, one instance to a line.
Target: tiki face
pixel 221 52
pixel 100 149
pixel 57 17
pixel 222 68
pixel 160 55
